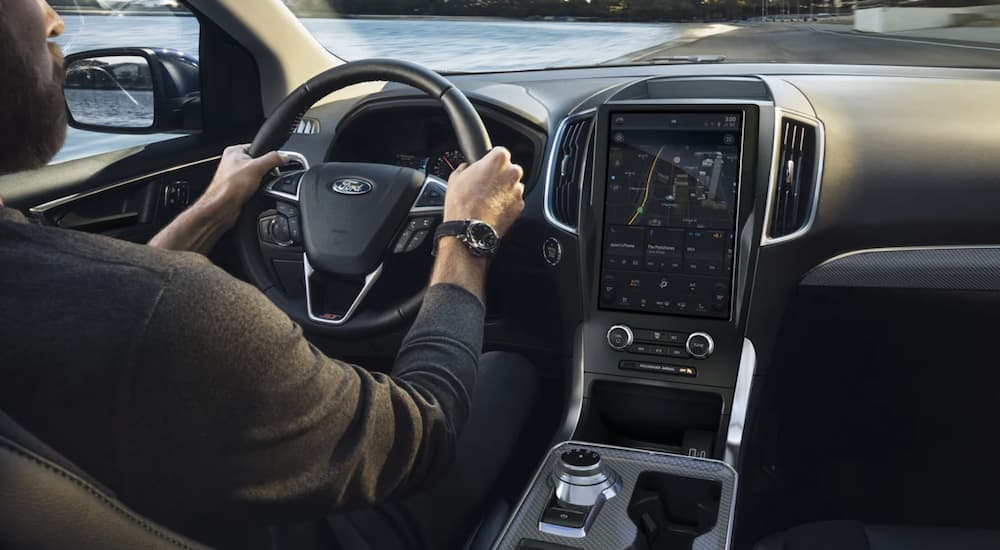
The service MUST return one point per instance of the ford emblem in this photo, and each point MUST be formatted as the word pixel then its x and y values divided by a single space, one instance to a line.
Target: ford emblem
pixel 352 186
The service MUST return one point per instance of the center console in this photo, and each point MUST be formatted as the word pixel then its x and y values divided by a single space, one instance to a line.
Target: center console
pixel 597 497
pixel 671 211
pixel 666 232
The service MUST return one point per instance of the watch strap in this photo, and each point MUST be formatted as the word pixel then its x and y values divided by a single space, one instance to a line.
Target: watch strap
pixel 449 229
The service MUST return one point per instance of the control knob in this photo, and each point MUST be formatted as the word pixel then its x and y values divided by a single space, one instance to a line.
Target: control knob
pixel 700 345
pixel 619 337
pixel 582 479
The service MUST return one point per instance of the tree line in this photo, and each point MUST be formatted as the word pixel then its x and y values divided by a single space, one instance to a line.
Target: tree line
pixel 625 10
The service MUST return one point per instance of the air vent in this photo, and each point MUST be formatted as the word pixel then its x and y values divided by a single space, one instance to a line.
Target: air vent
pixel 567 173
pixel 796 180
pixel 307 127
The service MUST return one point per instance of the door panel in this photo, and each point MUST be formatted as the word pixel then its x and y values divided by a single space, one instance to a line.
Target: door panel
pixel 134 209
pixel 129 195
pixel 26 190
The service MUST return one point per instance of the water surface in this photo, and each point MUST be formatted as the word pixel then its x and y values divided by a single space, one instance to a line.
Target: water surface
pixel 445 45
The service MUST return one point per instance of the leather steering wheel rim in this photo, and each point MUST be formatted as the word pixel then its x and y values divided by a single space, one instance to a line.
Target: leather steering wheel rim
pixel 473 141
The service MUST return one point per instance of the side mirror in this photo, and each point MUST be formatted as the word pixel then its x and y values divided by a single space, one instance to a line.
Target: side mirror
pixel 133 91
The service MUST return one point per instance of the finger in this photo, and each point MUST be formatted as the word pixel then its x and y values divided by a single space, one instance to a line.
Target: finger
pixel 510 175
pixel 235 150
pixel 499 155
pixel 461 168
pixel 268 161
pixel 517 172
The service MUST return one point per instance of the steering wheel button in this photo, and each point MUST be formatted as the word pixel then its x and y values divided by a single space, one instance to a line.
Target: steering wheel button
pixel 418 238
pixel 286 209
pixel 404 239
pixel 432 196
pixel 288 183
pixel 420 223
pixel 294 229
pixel 280 230
pixel 264 229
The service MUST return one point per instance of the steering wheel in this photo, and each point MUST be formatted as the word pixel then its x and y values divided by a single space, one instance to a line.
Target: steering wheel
pixel 359 233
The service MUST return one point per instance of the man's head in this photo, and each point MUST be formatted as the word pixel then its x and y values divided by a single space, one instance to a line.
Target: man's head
pixel 32 110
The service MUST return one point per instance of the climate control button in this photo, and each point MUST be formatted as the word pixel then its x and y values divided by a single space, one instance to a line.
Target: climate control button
pixel 620 337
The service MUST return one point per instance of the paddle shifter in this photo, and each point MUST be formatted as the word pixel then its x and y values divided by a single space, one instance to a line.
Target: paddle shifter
pixel 582 484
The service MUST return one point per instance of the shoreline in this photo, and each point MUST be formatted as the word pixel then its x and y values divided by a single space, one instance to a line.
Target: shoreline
pixel 692 32
pixel 377 17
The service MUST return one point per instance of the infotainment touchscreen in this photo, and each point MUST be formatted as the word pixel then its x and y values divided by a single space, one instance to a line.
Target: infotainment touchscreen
pixel 670 212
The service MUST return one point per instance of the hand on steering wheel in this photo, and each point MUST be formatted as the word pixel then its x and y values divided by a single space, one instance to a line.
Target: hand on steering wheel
pixel 489 190
pixel 237 179
pixel 358 222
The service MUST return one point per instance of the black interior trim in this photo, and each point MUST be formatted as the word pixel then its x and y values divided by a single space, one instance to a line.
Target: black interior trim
pixel 955 268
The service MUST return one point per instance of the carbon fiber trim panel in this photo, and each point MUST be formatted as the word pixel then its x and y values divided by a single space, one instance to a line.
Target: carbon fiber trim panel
pixel 942 268
pixel 613 530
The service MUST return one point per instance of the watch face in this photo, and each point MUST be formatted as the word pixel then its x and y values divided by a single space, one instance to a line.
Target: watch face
pixel 483 237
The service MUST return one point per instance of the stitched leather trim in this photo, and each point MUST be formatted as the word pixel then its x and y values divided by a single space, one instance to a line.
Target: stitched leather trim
pixel 113 504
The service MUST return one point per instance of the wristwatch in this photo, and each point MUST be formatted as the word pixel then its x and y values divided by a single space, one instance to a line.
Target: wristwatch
pixel 479 236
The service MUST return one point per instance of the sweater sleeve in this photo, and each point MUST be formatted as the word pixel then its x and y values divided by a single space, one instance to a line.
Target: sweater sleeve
pixel 233 411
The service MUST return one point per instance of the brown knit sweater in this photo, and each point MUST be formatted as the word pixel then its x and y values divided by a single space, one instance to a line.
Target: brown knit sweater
pixel 199 402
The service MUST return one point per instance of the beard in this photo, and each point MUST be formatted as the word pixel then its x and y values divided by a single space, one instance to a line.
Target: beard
pixel 32 108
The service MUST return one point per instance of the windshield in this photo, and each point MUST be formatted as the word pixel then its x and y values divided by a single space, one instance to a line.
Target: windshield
pixel 499 35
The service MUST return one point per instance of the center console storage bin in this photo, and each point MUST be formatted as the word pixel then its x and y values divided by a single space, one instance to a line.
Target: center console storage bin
pixel 654 418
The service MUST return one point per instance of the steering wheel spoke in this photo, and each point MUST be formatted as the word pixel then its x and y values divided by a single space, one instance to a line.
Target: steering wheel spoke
pixel 424 216
pixel 283 183
pixel 431 198
pixel 334 302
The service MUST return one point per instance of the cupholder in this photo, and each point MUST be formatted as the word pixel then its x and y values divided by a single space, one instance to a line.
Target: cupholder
pixel 671 511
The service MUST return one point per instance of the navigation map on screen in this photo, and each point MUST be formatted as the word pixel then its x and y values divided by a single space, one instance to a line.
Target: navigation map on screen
pixel 670 210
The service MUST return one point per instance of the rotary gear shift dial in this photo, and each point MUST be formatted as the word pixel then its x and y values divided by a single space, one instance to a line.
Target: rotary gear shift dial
pixel 582 484
pixel 582 479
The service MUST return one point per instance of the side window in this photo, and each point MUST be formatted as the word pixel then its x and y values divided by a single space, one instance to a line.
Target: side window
pixel 122 24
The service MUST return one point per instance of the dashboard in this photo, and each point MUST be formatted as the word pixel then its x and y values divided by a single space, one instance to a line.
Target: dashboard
pixel 672 212
pixel 654 200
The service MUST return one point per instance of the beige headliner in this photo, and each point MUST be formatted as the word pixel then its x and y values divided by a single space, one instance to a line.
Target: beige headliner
pixel 286 53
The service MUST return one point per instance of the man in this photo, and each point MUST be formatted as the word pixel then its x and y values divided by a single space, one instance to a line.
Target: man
pixel 197 401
